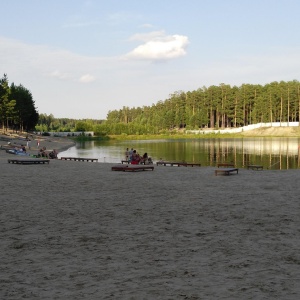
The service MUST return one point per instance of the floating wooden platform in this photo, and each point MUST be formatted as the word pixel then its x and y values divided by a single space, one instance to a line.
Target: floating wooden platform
pixel 257 167
pixel 79 159
pixel 131 168
pixel 29 161
pixel 226 171
pixel 225 165
pixel 178 164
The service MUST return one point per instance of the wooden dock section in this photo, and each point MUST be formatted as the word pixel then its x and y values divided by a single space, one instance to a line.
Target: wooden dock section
pixel 226 171
pixel 132 168
pixel 226 165
pixel 256 167
pixel 29 161
pixel 79 159
pixel 178 164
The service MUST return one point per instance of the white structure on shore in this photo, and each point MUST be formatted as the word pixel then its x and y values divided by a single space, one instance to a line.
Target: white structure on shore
pixel 244 128
pixel 73 133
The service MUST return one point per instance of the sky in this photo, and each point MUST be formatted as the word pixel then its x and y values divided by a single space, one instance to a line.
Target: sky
pixel 81 59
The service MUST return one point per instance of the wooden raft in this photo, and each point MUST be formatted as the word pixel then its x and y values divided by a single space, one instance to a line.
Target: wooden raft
pixel 226 171
pixel 29 161
pixel 132 168
pixel 257 167
pixel 178 164
pixel 225 165
pixel 79 159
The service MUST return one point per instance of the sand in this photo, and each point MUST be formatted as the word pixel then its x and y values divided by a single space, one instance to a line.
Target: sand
pixel 77 230
pixel 291 131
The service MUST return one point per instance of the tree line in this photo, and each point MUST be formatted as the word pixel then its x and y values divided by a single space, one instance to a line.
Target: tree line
pixel 217 107
pixel 17 108
pixel 48 123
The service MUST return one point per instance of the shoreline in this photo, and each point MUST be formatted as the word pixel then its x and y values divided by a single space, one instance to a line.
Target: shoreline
pixel 60 144
pixel 78 230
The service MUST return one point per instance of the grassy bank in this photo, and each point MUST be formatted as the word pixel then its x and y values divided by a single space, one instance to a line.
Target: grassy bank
pixel 173 136
pixel 267 132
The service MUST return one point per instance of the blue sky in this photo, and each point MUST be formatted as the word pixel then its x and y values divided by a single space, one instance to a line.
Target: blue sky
pixel 82 58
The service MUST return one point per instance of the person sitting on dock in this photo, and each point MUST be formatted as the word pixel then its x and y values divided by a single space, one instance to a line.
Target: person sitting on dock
pixel 53 154
pixel 135 159
pixel 130 155
pixel 144 158
pixel 127 154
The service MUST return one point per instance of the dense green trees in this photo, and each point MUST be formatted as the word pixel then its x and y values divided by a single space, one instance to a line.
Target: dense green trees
pixel 6 105
pixel 216 107
pixel 17 108
pixel 213 107
pixel 49 123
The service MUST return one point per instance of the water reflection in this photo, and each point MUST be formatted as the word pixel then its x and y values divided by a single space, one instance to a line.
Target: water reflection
pixel 272 153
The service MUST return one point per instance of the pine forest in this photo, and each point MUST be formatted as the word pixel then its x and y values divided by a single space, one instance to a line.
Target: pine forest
pixel 214 107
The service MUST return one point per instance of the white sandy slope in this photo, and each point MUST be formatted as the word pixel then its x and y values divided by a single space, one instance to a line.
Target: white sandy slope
pixel 274 132
pixel 77 230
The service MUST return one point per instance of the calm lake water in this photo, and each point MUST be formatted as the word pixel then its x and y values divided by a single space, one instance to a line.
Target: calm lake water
pixel 272 153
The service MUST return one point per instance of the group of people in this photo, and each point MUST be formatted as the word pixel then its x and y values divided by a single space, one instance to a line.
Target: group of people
pixel 134 158
pixel 43 153
pixel 21 150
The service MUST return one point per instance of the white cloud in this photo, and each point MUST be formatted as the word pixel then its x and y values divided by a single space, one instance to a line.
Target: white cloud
pixel 87 78
pixel 147 25
pixel 59 75
pixel 158 46
pixel 55 75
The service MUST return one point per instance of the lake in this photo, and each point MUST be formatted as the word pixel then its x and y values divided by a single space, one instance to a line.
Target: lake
pixel 272 153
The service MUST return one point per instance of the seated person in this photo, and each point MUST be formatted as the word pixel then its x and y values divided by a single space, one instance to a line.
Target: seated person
pixel 53 154
pixel 150 161
pixel 42 153
pixel 144 159
pixel 127 154
pixel 135 160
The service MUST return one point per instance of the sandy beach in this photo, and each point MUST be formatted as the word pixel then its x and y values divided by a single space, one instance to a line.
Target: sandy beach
pixel 77 230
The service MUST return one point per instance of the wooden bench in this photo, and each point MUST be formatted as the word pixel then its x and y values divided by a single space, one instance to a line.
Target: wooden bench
pixel 226 171
pixel 29 161
pixel 225 165
pixel 257 167
pixel 189 164
pixel 79 159
pixel 167 163
pixel 178 164
pixel 132 168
